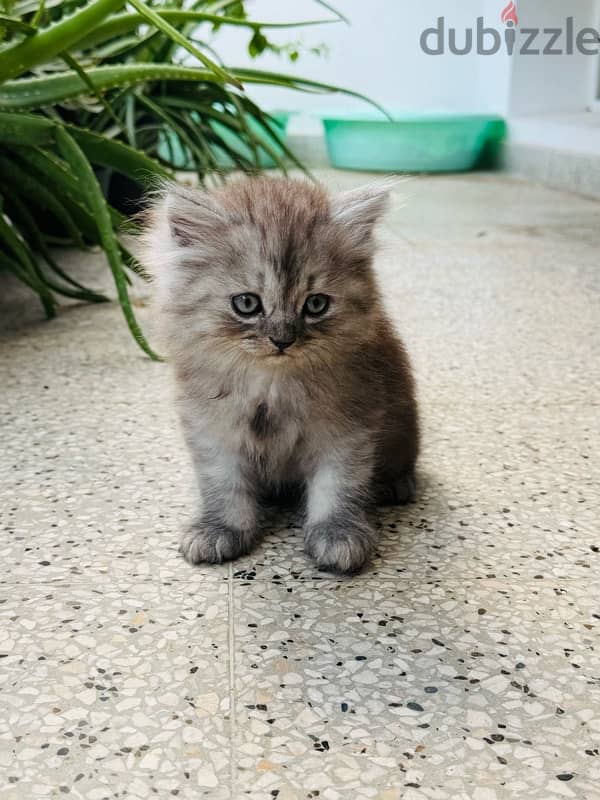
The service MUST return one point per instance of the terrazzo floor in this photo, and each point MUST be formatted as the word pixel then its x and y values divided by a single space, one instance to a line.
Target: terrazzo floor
pixel 463 665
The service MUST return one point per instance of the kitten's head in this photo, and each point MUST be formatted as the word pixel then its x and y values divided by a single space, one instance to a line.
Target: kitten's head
pixel 265 268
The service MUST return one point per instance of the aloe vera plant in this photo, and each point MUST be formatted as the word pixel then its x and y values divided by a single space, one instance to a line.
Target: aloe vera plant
pixel 104 85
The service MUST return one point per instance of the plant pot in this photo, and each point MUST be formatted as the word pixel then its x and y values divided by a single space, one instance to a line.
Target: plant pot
pixel 410 143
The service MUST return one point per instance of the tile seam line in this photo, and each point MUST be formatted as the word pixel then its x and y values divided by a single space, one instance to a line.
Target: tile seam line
pixel 232 708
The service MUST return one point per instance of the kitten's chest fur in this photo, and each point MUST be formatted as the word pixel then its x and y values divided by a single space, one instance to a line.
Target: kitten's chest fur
pixel 266 417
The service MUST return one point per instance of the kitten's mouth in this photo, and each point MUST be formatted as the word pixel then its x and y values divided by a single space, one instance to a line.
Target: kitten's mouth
pixel 280 357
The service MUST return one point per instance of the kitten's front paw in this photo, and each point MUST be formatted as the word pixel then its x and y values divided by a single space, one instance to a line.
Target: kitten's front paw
pixel 340 547
pixel 213 543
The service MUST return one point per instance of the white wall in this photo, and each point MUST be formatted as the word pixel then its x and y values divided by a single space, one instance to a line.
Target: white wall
pixel 379 55
pixel 554 84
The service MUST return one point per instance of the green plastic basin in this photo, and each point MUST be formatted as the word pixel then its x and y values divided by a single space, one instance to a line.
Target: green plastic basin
pixel 171 148
pixel 410 143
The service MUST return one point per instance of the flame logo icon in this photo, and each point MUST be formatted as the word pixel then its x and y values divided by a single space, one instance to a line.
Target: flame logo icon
pixel 510 14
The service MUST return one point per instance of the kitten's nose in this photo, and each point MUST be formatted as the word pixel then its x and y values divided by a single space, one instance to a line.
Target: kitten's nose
pixel 283 344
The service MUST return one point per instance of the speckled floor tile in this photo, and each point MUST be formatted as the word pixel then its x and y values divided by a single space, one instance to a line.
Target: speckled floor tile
pixel 464 664
pixel 68 518
pixel 97 684
pixel 431 686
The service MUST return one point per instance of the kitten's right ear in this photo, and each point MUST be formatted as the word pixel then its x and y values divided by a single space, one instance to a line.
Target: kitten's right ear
pixel 190 215
pixel 176 221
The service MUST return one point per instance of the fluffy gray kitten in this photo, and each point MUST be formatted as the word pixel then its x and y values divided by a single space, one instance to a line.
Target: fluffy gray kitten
pixel 288 372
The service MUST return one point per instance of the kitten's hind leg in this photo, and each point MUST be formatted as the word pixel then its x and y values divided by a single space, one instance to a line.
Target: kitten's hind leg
pixel 396 490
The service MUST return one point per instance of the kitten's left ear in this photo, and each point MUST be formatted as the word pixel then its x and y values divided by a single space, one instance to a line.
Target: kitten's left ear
pixel 361 207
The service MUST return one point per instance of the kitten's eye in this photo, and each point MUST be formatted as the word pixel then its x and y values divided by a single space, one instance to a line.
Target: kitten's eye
pixel 246 305
pixel 316 305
